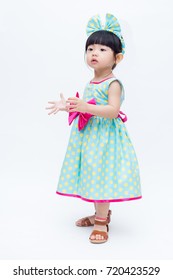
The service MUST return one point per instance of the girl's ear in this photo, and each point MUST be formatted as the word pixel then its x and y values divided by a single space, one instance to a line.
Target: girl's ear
pixel 118 58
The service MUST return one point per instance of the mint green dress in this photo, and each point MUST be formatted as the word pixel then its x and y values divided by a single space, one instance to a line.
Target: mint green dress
pixel 100 164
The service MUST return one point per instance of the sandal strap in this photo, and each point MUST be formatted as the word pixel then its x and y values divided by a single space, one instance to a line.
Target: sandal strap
pixel 108 216
pixel 102 233
pixel 85 222
pixel 100 223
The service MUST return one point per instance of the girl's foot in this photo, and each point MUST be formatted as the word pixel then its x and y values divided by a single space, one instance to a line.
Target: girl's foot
pixel 100 232
pixel 89 221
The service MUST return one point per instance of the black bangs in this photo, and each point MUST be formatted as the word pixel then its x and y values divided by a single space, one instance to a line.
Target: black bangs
pixel 105 38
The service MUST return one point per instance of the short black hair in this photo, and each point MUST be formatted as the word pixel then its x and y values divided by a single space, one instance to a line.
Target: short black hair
pixel 106 38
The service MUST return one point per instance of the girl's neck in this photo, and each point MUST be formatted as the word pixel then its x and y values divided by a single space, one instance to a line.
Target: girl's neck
pixel 102 75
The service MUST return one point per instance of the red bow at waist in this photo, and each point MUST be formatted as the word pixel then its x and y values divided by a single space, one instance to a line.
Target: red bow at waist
pixel 84 117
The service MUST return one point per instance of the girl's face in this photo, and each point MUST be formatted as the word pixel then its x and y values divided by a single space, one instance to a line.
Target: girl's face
pixel 100 57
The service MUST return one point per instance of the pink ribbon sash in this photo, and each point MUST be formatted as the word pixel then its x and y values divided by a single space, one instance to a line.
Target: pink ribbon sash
pixel 84 117
pixel 124 119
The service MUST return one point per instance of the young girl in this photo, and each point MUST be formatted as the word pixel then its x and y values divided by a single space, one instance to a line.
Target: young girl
pixel 100 164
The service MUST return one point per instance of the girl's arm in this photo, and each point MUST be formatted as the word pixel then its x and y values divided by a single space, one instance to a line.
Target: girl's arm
pixel 106 111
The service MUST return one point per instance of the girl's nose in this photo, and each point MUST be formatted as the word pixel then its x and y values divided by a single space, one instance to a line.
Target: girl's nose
pixel 95 53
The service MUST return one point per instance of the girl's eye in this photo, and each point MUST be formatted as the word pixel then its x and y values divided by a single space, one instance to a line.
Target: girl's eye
pixel 103 50
pixel 90 49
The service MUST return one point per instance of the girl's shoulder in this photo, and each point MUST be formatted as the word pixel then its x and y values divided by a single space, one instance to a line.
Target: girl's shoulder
pixel 121 85
pixel 111 80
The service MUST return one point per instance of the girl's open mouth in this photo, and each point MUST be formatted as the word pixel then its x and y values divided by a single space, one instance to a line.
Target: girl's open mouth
pixel 94 61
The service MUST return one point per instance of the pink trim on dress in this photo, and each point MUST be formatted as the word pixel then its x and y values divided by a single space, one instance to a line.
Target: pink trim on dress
pixel 101 81
pixel 100 201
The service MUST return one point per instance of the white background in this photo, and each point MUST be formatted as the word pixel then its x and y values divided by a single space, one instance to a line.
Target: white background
pixel 42 54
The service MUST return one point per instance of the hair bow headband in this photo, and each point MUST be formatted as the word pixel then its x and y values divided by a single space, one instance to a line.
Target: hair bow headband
pixel 112 25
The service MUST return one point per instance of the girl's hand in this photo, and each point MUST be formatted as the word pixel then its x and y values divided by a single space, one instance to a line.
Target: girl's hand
pixel 57 105
pixel 76 105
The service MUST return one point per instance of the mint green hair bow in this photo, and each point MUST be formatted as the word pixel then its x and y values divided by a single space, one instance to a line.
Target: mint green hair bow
pixel 112 25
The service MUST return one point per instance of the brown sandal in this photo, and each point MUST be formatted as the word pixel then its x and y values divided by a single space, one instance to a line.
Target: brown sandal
pixel 85 222
pixel 104 234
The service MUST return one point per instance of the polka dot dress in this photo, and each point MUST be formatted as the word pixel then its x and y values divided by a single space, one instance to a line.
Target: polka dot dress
pixel 100 164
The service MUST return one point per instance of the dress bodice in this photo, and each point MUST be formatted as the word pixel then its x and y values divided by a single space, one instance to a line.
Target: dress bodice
pixel 99 91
